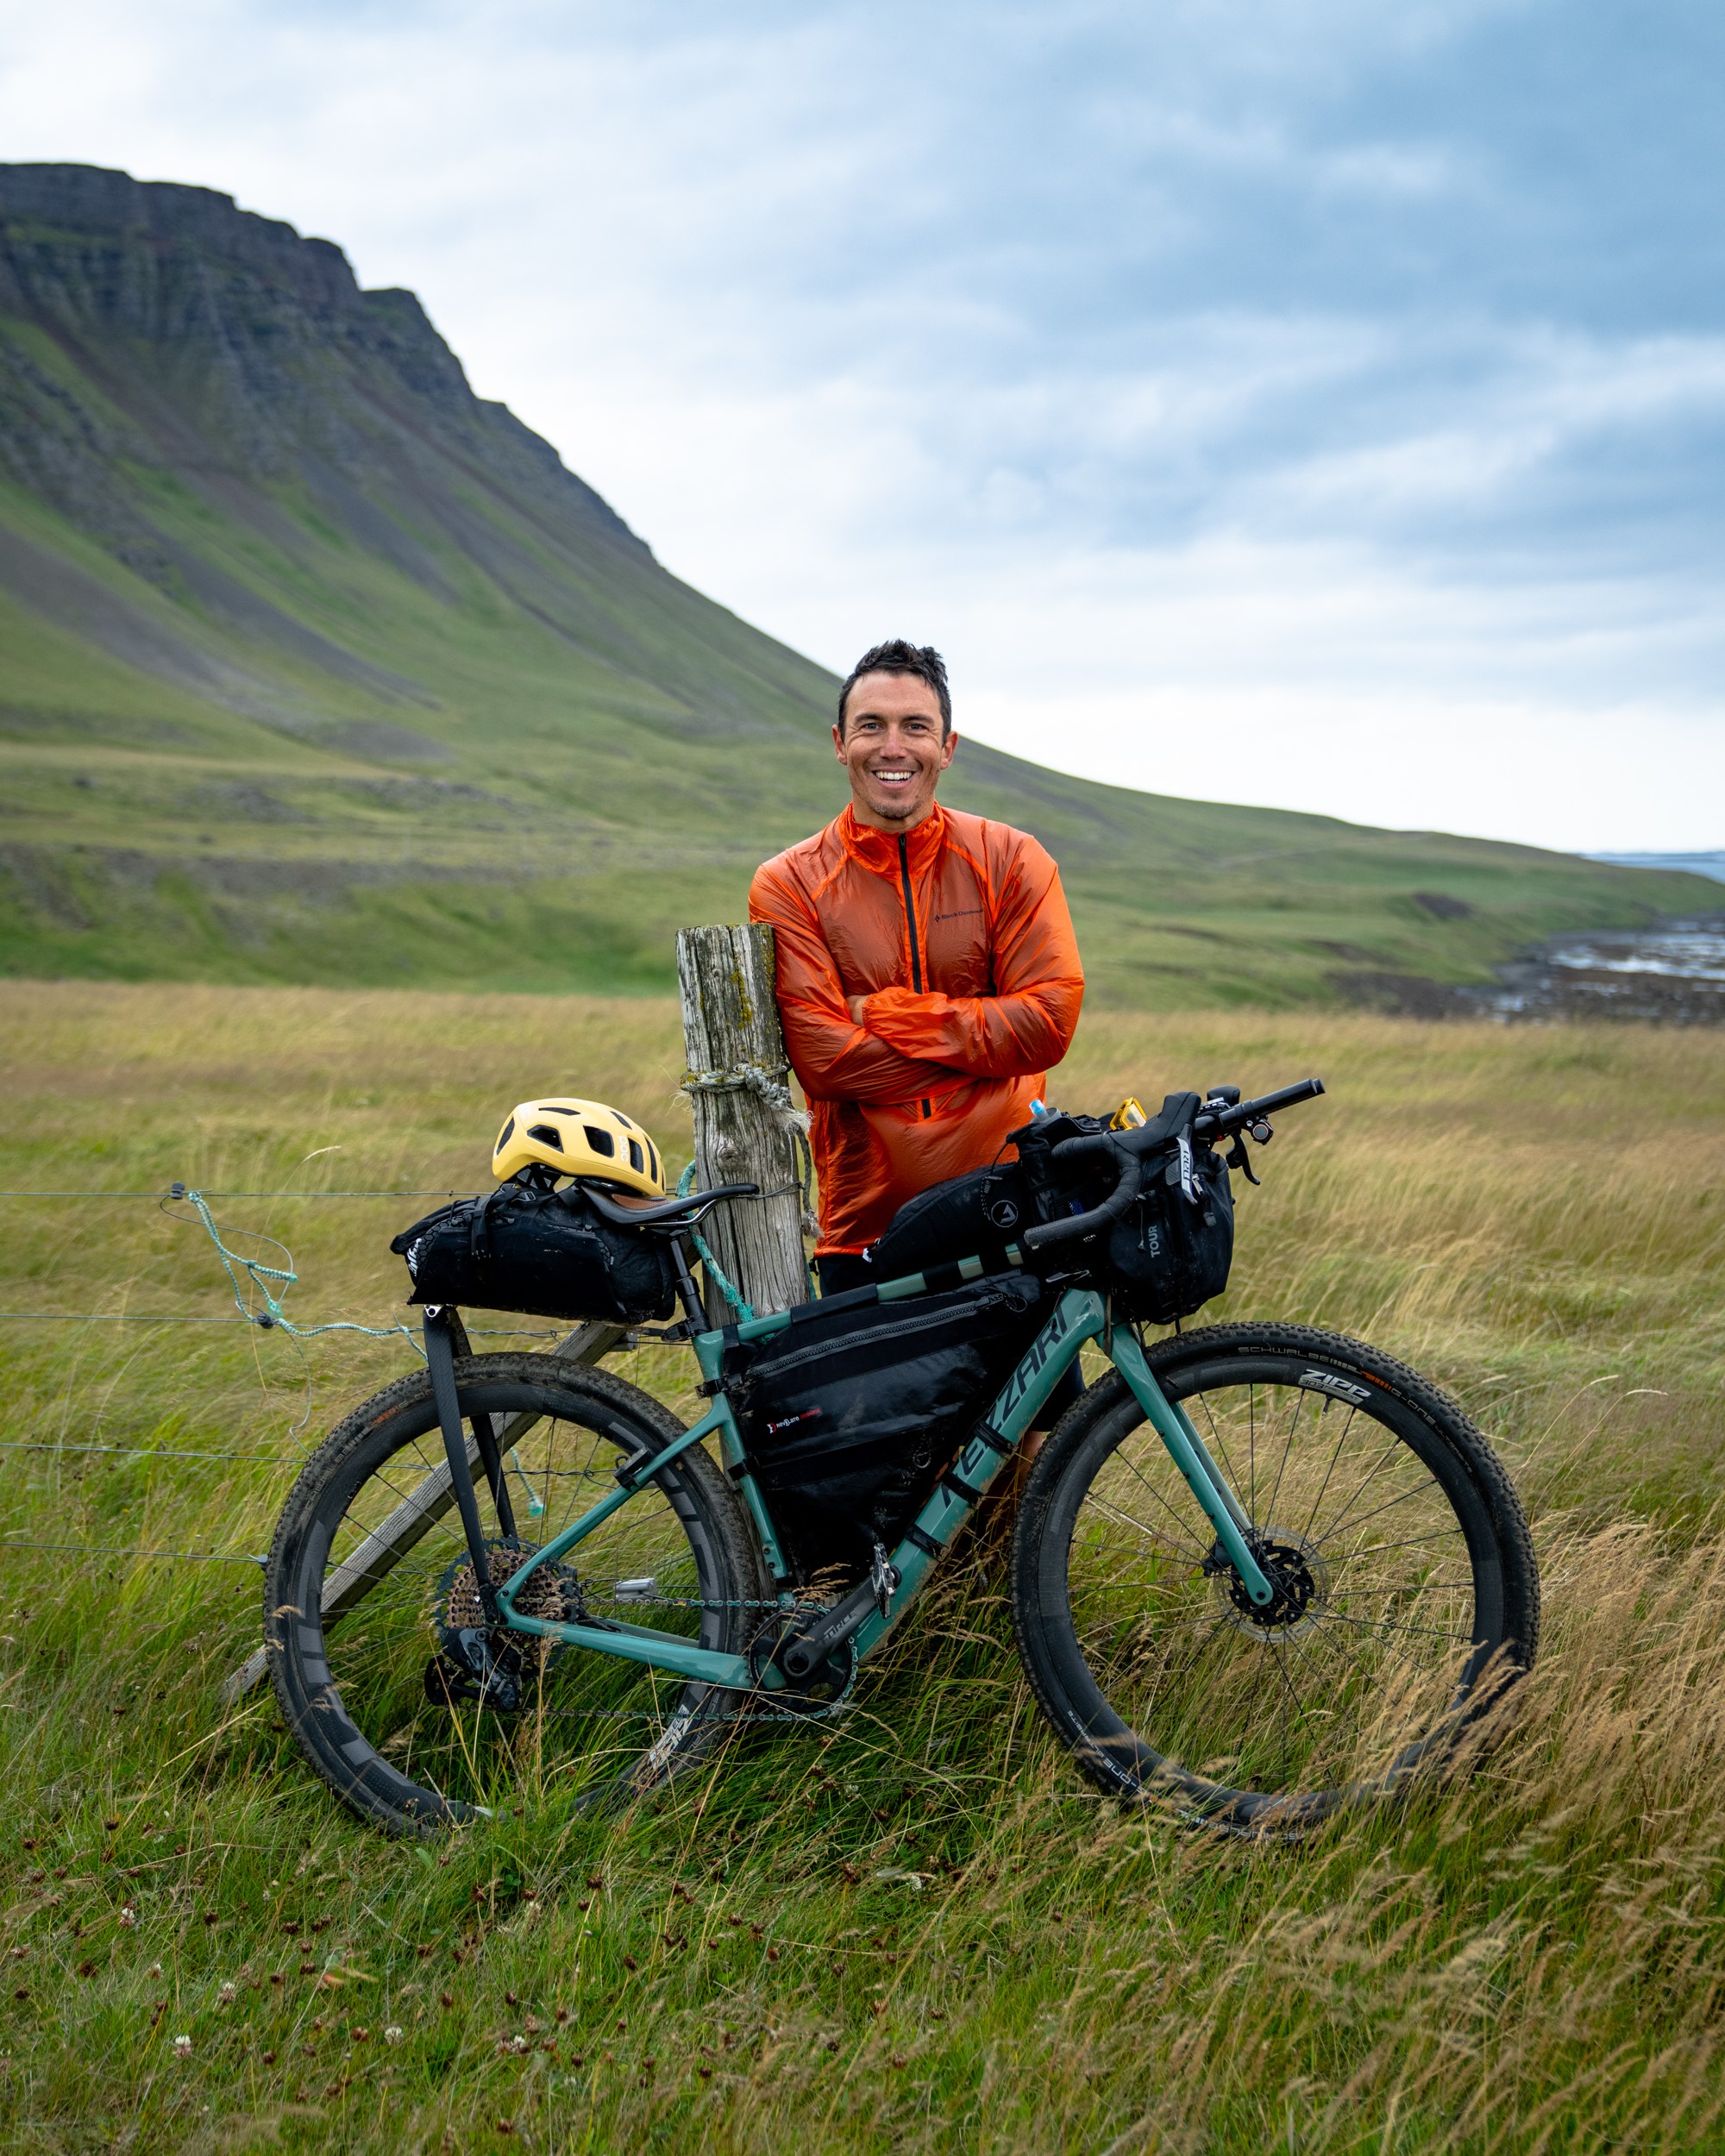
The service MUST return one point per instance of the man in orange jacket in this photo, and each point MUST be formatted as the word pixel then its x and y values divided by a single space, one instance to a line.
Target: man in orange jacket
pixel 928 974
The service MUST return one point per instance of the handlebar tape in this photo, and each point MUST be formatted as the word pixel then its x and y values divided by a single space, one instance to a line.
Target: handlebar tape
pixel 1083 1224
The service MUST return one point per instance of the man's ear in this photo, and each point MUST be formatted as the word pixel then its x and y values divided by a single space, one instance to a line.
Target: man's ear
pixel 947 748
pixel 838 744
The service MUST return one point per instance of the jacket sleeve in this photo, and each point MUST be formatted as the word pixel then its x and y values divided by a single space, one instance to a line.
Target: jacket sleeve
pixel 834 1058
pixel 1027 1025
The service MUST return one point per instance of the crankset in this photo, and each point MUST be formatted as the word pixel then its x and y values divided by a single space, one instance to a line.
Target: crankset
pixel 810 1691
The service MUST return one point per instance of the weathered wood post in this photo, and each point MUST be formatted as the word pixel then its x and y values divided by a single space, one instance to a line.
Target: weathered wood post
pixel 747 1128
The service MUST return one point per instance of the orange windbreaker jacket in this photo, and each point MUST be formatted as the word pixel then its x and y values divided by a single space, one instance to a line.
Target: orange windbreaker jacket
pixel 957 933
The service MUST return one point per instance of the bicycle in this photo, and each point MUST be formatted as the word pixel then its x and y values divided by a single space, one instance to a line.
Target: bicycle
pixel 1259 1571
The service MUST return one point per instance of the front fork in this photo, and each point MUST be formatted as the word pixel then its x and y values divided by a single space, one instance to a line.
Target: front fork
pixel 1191 1456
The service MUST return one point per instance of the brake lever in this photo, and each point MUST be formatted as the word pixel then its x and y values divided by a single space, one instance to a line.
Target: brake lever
pixel 1236 1156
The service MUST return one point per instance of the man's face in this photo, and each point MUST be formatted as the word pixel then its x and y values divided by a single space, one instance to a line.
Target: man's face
pixel 891 748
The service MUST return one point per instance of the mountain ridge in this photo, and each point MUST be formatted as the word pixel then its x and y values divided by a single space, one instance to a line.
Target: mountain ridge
pixel 317 666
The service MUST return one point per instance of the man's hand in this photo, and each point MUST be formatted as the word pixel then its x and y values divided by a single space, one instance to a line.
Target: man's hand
pixel 855 1006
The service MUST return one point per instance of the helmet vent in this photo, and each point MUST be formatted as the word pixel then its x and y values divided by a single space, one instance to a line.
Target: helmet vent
pixel 504 1135
pixel 637 1159
pixel 548 1134
pixel 602 1141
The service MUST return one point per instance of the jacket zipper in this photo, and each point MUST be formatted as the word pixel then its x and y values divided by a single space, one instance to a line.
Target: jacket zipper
pixel 911 926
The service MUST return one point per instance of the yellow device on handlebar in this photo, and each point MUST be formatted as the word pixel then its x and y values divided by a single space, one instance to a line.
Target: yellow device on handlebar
pixel 1129 1116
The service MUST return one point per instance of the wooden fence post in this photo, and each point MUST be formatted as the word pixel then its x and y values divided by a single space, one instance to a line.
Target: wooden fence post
pixel 747 1129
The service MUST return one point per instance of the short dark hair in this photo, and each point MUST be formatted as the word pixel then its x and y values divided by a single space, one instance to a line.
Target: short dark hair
pixel 896 656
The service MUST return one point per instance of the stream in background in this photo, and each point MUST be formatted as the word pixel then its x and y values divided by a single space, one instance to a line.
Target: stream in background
pixel 1673 973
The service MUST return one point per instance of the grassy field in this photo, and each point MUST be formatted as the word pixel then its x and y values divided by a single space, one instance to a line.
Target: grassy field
pixel 1529 1959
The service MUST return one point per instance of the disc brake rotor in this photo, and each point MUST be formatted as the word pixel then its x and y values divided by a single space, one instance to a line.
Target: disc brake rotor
pixel 1298 1572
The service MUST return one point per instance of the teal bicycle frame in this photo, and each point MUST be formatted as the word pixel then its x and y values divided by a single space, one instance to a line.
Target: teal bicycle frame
pixel 1080 1315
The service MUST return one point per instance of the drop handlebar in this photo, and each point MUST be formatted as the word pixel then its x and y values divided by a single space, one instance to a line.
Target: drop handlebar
pixel 1131 1148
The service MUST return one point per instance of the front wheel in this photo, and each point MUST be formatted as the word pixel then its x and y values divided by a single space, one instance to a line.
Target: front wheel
pixel 1406 1591
pixel 370 1580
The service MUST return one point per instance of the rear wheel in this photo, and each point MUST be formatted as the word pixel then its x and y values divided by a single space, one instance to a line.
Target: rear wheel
pixel 370 1578
pixel 1407 1592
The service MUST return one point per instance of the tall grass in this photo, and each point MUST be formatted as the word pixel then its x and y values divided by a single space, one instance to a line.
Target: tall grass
pixel 915 1928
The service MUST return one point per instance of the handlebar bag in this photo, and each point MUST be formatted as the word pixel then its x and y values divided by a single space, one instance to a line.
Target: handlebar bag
pixel 1173 1250
pixel 850 1414
pixel 544 1253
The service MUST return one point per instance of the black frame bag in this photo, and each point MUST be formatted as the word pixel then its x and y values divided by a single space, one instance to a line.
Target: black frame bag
pixel 850 1414
pixel 544 1253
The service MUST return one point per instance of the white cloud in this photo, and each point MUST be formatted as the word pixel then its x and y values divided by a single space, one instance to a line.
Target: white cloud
pixel 1191 383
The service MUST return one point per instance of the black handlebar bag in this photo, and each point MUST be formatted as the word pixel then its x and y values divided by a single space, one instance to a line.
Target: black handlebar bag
pixel 850 1414
pixel 545 1253
pixel 1175 1247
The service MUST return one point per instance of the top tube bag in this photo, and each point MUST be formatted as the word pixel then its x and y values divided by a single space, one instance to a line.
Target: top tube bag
pixel 849 1414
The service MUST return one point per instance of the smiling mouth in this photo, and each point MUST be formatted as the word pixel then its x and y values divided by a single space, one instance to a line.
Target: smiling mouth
pixel 893 778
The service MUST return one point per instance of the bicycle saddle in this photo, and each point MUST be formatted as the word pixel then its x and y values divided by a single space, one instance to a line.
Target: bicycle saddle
pixel 646 1212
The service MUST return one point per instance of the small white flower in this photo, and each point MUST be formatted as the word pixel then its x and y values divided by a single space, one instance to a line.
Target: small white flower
pixel 182 2048
pixel 154 1969
pixel 392 2034
pixel 227 1995
pixel 129 1915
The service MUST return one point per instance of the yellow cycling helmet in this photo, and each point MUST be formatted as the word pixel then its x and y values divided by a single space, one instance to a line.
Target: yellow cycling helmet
pixel 579 1138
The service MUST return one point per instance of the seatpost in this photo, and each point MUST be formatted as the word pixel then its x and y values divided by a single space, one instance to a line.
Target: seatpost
pixel 687 1293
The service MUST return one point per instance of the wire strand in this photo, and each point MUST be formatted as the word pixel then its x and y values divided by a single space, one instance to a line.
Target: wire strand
pixel 104 1550
pixel 243 1194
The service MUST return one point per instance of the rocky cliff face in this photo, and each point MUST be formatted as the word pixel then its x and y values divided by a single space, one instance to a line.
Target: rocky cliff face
pixel 150 330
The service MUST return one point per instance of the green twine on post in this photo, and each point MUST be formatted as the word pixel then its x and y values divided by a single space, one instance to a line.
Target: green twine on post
pixel 745 1311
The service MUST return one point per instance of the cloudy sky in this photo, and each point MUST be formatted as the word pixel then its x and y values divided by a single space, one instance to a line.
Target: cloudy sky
pixel 1313 402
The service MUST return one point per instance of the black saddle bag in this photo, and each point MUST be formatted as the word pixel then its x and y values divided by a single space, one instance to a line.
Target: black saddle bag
pixel 545 1253
pixel 850 1414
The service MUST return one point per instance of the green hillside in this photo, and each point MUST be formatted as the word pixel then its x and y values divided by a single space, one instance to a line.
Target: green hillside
pixel 315 668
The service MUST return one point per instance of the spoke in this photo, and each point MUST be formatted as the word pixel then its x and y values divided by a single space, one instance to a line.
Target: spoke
pixel 1341 1439
pixel 1424 1671
pixel 1423 1587
pixel 1388 1624
pixel 1378 1468
pixel 1252 1464
pixel 1157 1495
pixel 1389 1504
pixel 1411 1542
pixel 1220 1445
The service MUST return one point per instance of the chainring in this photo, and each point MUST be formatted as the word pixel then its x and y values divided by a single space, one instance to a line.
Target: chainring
pixel 823 1688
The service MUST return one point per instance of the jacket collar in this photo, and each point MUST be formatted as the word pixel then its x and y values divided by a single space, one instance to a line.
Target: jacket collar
pixel 879 850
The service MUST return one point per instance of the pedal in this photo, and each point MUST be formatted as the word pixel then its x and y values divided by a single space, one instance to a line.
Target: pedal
pixel 885 1578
